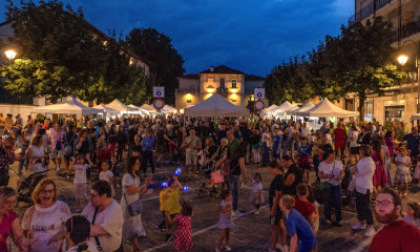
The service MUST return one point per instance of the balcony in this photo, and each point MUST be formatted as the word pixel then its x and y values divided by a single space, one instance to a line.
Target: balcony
pixel 369 9
pixel 186 91
pixel 410 28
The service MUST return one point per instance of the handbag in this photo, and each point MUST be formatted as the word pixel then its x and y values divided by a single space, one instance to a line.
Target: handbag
pixel 58 145
pixel 225 167
pixel 217 177
pixel 324 186
pixel 134 208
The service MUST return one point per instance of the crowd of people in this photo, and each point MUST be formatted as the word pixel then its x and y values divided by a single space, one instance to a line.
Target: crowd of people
pixel 117 154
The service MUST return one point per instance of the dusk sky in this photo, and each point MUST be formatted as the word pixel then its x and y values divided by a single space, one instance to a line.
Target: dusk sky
pixel 248 35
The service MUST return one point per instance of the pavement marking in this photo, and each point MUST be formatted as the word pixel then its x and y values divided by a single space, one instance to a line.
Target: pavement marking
pixel 364 244
pixel 204 230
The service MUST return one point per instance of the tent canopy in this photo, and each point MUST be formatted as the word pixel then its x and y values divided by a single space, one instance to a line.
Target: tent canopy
pixel 68 106
pixel 118 105
pixel 108 110
pixel 216 106
pixel 169 109
pixel 270 109
pixel 304 108
pixel 284 107
pixel 148 107
pixel 139 109
pixel 327 109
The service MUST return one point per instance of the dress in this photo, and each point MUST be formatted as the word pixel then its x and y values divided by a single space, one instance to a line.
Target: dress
pixel 403 172
pixel 6 229
pixel 379 177
pixel 133 225
pixel 225 219
pixel 183 238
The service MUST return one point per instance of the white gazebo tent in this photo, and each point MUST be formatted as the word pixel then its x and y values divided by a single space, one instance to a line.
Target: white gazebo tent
pixel 121 107
pixel 139 109
pixel 304 108
pixel 327 109
pixel 169 109
pixel 109 111
pixel 181 111
pixel 281 110
pixel 68 106
pixel 268 111
pixel 148 107
pixel 216 106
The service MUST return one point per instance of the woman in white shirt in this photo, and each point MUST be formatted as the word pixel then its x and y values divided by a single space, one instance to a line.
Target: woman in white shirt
pixel 364 171
pixel 44 221
pixel 331 173
pixel 35 153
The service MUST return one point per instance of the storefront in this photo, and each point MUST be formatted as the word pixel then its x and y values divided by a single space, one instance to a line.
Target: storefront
pixel 394 110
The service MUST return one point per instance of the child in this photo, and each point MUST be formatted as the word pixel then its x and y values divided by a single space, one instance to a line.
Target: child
pixel 79 166
pixel 256 196
pixel 225 220
pixel 305 207
pixel 183 237
pixel 403 176
pixel 171 202
pixel 311 198
pixel 107 175
pixel 413 214
pixel 301 235
pixel 417 171
pixel 162 225
pixel 305 150
pixel 77 234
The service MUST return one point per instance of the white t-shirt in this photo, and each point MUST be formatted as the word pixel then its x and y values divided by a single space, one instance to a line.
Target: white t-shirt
pixel 80 174
pixel 257 187
pixel 291 132
pixel 334 168
pixel 111 220
pixel 355 135
pixel 401 159
pixel 304 132
pixel 106 175
pixel 43 223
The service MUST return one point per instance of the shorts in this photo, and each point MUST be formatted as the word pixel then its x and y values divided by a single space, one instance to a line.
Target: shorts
pixel 303 162
pixel 354 150
pixel 278 215
pixel 190 158
pixel 56 154
pixel 339 146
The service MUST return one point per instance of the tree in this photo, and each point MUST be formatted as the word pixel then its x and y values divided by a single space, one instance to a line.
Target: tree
pixel 73 57
pixel 166 64
pixel 360 60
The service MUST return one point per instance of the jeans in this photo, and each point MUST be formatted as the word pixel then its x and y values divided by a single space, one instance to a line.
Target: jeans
pixel 266 155
pixel 147 157
pixel 363 209
pixel 234 183
pixel 332 198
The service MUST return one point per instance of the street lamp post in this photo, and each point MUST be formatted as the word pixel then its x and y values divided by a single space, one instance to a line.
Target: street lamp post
pixel 402 59
pixel 10 54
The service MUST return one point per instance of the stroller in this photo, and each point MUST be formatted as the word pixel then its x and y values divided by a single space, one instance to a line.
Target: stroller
pixel 27 185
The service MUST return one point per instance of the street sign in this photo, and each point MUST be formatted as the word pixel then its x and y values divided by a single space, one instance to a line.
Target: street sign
pixel 259 105
pixel 158 103
pixel 259 93
pixel 158 92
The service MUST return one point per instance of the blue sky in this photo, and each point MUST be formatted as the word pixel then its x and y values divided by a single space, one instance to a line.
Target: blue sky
pixel 249 35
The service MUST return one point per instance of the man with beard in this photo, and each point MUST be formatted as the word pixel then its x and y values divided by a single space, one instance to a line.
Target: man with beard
pixel 396 235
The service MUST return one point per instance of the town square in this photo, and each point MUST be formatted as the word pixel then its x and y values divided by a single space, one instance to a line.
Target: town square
pixel 272 125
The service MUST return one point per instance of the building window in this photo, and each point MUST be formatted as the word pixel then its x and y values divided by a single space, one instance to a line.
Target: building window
pixel 394 113
pixel 369 111
pixel 222 83
pixel 233 83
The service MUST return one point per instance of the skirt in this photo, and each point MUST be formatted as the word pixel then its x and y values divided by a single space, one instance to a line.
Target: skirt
pixel 403 177
pixel 379 178
pixel 225 221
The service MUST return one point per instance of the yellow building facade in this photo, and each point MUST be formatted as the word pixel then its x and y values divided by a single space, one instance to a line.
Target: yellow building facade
pixel 234 85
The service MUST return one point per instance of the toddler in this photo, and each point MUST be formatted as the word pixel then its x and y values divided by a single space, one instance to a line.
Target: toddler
pixel 303 205
pixel 403 176
pixel 413 214
pixel 305 150
pixel 225 220
pixel 107 175
pixel 183 237
pixel 256 196
pixel 79 166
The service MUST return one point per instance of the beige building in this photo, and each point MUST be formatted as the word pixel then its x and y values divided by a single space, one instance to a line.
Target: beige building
pixel 232 84
pixel 398 102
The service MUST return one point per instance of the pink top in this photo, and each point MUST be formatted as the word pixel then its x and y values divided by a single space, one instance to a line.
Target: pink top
pixel 5 229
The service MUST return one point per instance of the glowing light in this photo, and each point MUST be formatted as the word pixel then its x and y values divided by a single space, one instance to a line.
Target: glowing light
pixel 164 184
pixel 233 90
pixel 185 188
pixel 10 54
pixel 402 59
pixel 178 171
pixel 210 89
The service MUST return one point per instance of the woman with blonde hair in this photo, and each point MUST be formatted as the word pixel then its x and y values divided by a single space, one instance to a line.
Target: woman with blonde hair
pixel 45 220
pixel 35 153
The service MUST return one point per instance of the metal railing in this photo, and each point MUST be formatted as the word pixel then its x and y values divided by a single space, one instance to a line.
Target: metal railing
pixel 369 10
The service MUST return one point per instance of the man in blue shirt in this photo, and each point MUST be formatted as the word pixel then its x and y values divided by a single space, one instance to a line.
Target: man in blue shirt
pixel 302 237
pixel 147 156
pixel 277 143
pixel 305 150
pixel 412 143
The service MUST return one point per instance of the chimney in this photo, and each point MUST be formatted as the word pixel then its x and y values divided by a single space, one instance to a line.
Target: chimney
pixel 212 69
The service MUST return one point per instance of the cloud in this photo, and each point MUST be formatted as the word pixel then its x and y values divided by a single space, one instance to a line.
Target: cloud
pixel 252 36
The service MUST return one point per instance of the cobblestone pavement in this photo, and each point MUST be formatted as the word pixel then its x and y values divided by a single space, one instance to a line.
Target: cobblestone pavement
pixel 252 232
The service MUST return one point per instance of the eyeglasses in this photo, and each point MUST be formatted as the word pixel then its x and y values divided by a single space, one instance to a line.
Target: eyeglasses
pixel 92 195
pixel 383 203
pixel 47 191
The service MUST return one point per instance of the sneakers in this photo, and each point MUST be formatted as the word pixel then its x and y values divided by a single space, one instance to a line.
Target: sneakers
pixel 257 211
pixel 370 232
pixel 283 248
pixel 358 226
pixel 228 248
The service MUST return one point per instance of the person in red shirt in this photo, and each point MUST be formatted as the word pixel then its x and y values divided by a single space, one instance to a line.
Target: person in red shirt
pixel 305 207
pixel 396 234
pixel 340 138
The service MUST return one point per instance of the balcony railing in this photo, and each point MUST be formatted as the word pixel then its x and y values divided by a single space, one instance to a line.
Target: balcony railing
pixel 410 28
pixel 186 91
pixel 370 9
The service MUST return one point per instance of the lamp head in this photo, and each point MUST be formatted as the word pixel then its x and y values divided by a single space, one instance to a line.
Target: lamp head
pixel 402 59
pixel 10 54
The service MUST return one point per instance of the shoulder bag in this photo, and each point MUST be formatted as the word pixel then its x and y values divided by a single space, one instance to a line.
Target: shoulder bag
pixel 134 208
pixel 326 185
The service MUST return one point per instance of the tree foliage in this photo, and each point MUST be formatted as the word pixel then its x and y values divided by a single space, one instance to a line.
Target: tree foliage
pixel 61 54
pixel 166 64
pixel 357 61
